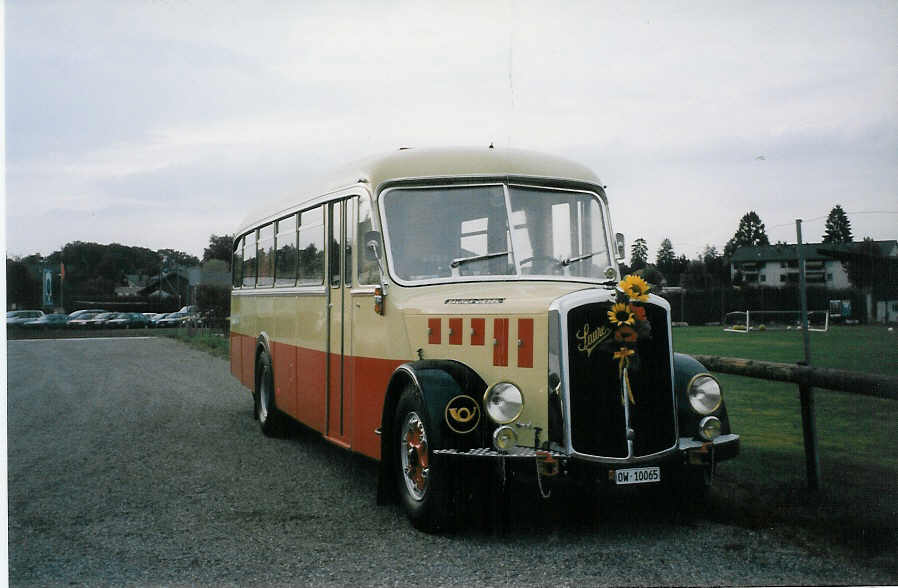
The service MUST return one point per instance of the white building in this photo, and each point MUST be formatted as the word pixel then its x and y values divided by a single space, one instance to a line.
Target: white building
pixel 777 265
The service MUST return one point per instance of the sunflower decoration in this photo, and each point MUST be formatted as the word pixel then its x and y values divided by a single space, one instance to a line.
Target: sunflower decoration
pixel 621 314
pixel 627 317
pixel 635 288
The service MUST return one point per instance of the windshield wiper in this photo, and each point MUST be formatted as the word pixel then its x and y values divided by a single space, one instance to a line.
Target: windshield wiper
pixel 460 260
pixel 569 260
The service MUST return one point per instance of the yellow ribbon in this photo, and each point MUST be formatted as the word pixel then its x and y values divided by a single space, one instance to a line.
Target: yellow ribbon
pixel 623 357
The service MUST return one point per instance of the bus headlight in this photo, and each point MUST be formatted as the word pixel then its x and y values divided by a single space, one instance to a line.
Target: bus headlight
pixel 504 402
pixel 709 428
pixel 704 394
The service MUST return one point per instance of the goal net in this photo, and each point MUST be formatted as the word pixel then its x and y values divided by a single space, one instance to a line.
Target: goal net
pixel 745 321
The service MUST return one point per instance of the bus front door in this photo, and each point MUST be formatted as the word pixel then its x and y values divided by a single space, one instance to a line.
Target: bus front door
pixel 339 389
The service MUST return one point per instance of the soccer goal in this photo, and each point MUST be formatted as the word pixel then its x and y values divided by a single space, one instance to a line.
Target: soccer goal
pixel 745 321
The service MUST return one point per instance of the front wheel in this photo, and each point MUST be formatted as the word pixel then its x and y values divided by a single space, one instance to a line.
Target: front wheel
pixel 420 481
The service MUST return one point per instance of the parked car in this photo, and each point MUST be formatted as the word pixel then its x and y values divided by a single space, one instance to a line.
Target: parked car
pixel 83 318
pixel 128 320
pixel 98 321
pixel 17 318
pixel 80 313
pixel 154 320
pixel 175 319
pixel 48 321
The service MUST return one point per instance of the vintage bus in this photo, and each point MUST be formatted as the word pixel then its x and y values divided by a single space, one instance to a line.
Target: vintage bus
pixel 436 308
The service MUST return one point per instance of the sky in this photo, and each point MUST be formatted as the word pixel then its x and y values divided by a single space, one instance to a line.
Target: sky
pixel 158 123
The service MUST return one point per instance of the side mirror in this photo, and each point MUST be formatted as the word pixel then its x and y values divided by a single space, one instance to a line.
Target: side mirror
pixel 621 246
pixel 372 246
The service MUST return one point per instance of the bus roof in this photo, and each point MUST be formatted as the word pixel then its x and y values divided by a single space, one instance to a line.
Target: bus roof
pixel 428 163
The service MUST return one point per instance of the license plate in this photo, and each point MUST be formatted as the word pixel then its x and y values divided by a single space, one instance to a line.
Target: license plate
pixel 637 476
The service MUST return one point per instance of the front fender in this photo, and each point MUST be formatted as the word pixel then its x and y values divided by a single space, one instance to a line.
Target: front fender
pixel 687 367
pixel 438 382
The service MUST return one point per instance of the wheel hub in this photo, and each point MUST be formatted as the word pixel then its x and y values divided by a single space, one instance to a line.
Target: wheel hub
pixel 414 456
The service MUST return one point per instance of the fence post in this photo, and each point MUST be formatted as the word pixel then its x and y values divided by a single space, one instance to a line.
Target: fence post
pixel 809 432
pixel 806 393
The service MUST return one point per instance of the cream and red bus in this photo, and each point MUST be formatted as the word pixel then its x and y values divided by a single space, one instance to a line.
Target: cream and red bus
pixel 436 308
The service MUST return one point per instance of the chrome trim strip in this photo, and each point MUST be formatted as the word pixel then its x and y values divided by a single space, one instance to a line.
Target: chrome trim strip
pixel 514 452
pixel 312 291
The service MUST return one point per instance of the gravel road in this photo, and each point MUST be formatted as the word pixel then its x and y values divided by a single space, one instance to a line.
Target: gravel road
pixel 137 461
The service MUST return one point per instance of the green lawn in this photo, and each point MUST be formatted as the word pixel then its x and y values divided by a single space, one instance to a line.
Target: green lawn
pixel 857 435
pixel 215 343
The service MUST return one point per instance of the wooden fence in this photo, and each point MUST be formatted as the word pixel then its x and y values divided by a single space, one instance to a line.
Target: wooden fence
pixel 807 378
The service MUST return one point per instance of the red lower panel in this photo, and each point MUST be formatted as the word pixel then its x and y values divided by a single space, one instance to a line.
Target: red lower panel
pixel 284 364
pixel 311 369
pixel 248 361
pixel 236 347
pixel 337 414
pixel 365 380
pixel 371 379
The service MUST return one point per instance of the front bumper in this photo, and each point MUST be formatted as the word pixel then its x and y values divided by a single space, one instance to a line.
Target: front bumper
pixel 693 452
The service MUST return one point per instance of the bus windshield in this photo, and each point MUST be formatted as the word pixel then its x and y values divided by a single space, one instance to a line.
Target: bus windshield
pixel 495 231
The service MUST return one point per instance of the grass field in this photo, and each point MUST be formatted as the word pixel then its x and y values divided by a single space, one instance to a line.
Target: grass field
pixel 857 435
pixel 216 344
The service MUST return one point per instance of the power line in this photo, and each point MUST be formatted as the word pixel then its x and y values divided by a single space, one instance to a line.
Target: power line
pixel 810 220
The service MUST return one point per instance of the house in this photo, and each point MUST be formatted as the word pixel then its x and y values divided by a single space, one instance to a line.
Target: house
pixel 777 265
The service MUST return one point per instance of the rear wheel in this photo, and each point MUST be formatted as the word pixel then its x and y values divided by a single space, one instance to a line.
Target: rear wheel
pixel 420 481
pixel 271 420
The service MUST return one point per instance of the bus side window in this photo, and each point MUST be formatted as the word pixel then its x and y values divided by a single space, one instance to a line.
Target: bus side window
pixel 249 260
pixel 348 210
pixel 333 255
pixel 311 247
pixel 368 271
pixel 237 264
pixel 265 261
pixel 285 241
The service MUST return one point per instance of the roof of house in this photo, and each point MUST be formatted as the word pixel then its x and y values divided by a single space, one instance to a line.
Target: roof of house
pixel 812 251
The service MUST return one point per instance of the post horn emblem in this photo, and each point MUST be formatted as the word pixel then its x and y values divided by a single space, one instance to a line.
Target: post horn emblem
pixel 462 414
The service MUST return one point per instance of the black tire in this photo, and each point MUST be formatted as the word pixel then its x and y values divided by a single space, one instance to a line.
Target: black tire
pixel 420 481
pixel 271 420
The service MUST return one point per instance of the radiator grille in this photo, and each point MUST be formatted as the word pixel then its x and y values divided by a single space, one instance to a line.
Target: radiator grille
pixel 598 421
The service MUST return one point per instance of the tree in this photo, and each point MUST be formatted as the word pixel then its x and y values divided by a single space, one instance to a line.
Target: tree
pixel 838 227
pixel 714 263
pixel 665 257
pixel 23 286
pixel 639 254
pixel 219 248
pixel 178 258
pixel 750 233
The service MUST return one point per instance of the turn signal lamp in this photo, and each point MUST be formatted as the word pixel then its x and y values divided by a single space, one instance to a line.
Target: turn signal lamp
pixel 504 438
pixel 379 300
pixel 709 428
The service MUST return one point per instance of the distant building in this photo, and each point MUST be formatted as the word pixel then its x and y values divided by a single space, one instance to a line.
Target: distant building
pixel 777 265
pixel 182 283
